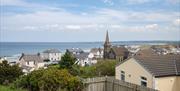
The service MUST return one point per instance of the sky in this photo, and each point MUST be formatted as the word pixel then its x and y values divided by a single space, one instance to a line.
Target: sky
pixel 88 20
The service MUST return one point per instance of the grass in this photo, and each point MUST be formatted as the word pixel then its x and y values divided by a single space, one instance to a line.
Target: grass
pixel 7 88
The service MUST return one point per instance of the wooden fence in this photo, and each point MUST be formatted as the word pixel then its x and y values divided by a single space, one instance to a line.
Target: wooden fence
pixel 111 84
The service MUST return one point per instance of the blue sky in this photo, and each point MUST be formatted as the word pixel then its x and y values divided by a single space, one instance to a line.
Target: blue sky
pixel 88 20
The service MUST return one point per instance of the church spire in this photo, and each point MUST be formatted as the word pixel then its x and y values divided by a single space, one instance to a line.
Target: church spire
pixel 107 39
pixel 107 46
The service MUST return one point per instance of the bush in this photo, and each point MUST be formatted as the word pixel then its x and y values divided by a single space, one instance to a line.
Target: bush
pixel 102 68
pixel 51 79
pixel 9 73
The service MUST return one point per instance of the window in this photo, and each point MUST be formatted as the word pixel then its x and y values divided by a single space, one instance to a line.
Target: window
pixel 143 81
pixel 34 62
pixel 122 75
pixel 27 62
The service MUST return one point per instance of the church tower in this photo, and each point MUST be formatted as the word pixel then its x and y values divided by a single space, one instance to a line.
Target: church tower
pixel 107 46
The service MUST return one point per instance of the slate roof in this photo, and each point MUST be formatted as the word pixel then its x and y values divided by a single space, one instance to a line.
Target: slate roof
pixel 51 51
pixel 161 65
pixel 120 51
pixel 31 57
pixel 76 50
pixel 82 56
pixel 95 50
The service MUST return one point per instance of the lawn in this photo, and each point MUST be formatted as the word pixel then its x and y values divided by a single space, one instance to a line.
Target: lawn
pixel 6 88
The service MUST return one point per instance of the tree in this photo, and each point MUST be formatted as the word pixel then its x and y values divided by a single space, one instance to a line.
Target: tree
pixel 9 73
pixel 67 60
pixel 105 68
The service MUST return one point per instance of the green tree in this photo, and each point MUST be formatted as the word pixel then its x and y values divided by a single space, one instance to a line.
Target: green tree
pixel 105 68
pixel 9 73
pixel 67 61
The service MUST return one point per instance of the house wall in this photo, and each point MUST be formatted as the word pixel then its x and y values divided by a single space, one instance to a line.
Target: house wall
pixel 55 56
pixel 39 65
pixel 133 72
pixel 168 83
pixel 31 64
pixel 45 56
pixel 52 56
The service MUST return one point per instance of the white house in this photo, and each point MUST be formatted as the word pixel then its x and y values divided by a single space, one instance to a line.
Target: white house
pixel 30 62
pixel 96 52
pixel 84 59
pixel 52 55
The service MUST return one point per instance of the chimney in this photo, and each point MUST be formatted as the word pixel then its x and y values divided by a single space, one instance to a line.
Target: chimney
pixel 38 54
pixel 22 54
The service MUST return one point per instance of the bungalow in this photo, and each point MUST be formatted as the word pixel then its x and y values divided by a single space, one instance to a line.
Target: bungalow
pixel 30 62
pixel 161 72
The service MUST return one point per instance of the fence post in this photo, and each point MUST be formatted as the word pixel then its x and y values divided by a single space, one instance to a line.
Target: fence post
pixel 106 83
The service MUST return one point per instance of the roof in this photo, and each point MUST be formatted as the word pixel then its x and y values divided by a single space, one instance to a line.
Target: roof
pixel 95 50
pixel 77 50
pixel 82 55
pixel 51 51
pixel 119 51
pixel 159 65
pixel 31 57
pixel 146 52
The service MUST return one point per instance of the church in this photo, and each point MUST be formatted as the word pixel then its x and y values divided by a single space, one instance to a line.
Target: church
pixel 114 52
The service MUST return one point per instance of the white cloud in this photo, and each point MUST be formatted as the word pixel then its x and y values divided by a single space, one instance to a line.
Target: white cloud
pixel 152 26
pixel 109 2
pixel 73 27
pixel 176 22
pixel 101 19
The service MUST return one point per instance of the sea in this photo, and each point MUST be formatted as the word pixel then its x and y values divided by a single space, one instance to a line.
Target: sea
pixel 16 48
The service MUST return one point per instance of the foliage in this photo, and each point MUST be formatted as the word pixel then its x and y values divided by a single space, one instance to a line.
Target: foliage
pixel 105 68
pixel 7 88
pixel 51 79
pixel 67 61
pixel 9 73
pixel 102 68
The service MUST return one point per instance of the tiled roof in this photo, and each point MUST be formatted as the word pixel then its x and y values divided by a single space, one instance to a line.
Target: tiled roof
pixel 28 57
pixel 161 65
pixel 51 51
pixel 119 51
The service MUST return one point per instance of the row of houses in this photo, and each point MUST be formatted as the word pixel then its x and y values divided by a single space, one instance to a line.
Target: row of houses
pixel 30 62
